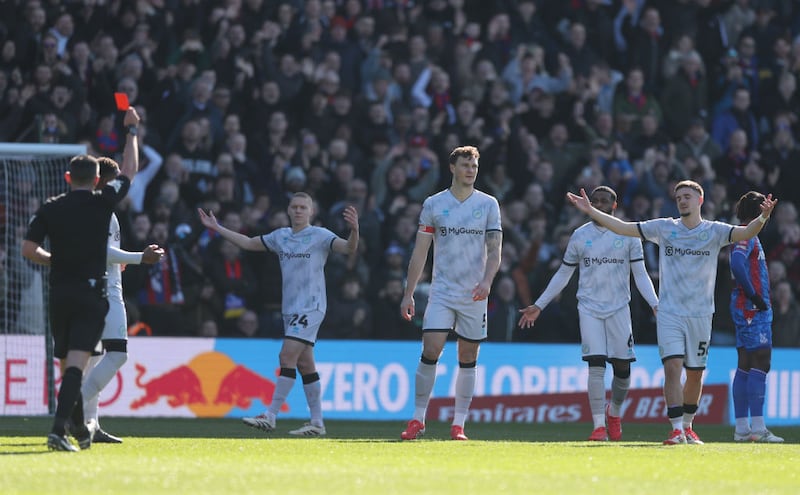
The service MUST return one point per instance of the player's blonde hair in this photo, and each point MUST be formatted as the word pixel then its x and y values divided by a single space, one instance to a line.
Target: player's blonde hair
pixel 302 194
pixel 691 185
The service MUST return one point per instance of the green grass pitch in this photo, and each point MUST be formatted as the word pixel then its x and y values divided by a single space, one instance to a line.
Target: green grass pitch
pixel 222 456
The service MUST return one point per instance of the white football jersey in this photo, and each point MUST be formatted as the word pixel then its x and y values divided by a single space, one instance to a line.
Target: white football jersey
pixel 302 257
pixel 113 270
pixel 459 241
pixel 687 263
pixel 604 261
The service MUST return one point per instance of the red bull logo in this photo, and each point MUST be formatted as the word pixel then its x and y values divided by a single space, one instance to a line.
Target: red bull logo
pixel 181 387
pixel 210 385
pixel 241 386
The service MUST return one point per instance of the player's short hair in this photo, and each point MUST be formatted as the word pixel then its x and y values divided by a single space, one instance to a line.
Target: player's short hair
pixel 109 169
pixel 302 194
pixel 605 189
pixel 749 206
pixel 83 169
pixel 691 185
pixel 466 152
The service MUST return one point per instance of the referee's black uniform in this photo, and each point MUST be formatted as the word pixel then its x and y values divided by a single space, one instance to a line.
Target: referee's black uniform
pixel 77 225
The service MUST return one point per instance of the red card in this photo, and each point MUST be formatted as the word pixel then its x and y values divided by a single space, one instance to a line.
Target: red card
pixel 122 101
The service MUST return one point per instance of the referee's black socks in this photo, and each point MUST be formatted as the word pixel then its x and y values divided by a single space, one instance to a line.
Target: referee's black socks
pixel 69 400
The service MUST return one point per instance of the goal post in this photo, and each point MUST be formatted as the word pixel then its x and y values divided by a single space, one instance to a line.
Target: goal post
pixel 29 174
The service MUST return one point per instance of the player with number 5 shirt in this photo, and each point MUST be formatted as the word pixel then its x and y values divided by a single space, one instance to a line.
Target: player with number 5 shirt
pixel 688 251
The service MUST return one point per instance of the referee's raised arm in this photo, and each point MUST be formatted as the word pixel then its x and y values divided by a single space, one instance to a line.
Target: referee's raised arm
pixel 130 155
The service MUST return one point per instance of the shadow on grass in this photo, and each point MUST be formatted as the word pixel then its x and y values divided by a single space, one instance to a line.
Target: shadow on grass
pixel 370 431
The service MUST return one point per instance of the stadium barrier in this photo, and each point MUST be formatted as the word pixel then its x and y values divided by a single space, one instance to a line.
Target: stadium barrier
pixel 368 380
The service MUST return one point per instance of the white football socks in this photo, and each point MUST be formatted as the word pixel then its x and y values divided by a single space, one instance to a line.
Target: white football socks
pixel 423 386
pixel 597 395
pixel 465 389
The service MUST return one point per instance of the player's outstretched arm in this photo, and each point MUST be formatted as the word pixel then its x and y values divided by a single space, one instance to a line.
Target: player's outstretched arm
pixel 130 155
pixel 35 253
pixel 644 284
pixel 610 222
pixel 350 246
pixel 150 255
pixel 249 243
pixel 529 316
pixel 418 258
pixel 554 287
pixel 754 227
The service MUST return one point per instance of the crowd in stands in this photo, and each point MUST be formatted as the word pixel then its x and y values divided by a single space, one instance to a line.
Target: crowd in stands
pixel 244 102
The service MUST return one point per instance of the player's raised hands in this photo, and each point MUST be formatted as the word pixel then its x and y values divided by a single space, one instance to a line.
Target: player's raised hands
pixel 581 202
pixel 350 215
pixel 768 205
pixel 131 117
pixel 529 316
pixel 152 254
pixel 208 219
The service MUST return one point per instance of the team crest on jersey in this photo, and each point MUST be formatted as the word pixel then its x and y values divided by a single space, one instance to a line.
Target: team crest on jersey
pixel 116 184
pixel 477 213
pixel 446 213
pixel 703 236
pixel 306 239
pixel 617 243
pixel 673 235
pixel 588 243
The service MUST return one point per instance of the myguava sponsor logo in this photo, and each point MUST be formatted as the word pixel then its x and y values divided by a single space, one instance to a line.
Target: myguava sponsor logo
pixel 677 251
pixel 445 231
pixel 287 255
pixel 604 260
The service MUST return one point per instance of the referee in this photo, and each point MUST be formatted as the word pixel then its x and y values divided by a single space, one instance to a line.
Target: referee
pixel 76 224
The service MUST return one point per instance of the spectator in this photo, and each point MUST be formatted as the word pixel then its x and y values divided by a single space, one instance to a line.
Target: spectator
pixel 738 117
pixel 162 290
pixel 234 281
pixel 647 46
pixel 581 55
pixel 502 312
pixel 633 102
pixel 246 325
pixel 392 326
pixel 697 142
pixel 785 316
pixel 350 316
pixel 684 95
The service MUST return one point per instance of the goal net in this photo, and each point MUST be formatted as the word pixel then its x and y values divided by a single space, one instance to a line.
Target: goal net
pixel 29 174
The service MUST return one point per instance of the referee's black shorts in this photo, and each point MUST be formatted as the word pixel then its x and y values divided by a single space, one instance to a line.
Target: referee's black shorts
pixel 77 317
